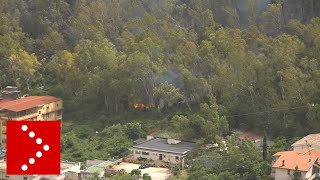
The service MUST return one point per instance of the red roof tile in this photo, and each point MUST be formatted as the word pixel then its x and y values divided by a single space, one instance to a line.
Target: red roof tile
pixel 303 159
pixel 310 140
pixel 250 136
pixel 298 151
pixel 4 100
pixel 27 103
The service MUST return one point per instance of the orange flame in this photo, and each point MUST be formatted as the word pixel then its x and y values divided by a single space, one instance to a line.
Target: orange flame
pixel 135 105
pixel 142 106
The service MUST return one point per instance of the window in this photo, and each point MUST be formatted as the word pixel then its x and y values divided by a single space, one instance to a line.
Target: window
pixel 288 171
pixel 177 157
pixel 25 178
pixel 39 112
pixel 137 152
pixel 57 104
pixel 59 113
pixel 45 116
pixel 145 153
pixel 12 115
pixel 164 156
pixel 7 176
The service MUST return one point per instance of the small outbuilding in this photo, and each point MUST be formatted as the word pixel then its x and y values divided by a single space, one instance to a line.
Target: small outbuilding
pixel 167 150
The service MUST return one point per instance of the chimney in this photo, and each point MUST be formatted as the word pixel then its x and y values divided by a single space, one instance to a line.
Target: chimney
pixel 149 137
pixel 282 162
pixel 173 141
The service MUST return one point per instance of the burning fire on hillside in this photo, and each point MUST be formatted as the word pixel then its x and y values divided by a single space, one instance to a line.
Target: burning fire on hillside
pixel 142 106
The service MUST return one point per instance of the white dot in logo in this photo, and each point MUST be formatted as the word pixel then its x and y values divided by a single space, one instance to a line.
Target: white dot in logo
pixel 31 134
pixel 24 128
pixel 39 140
pixel 39 154
pixel 31 160
pixel 46 147
pixel 24 167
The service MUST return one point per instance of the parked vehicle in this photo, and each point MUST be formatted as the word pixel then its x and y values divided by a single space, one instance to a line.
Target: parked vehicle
pixel 143 166
pixel 145 175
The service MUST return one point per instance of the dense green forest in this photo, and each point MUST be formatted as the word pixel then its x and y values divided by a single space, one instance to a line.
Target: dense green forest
pixel 200 68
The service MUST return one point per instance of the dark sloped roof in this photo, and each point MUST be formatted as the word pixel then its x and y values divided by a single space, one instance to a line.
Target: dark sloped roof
pixel 160 144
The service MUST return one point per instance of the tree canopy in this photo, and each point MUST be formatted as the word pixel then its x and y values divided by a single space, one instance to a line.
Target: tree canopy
pixel 199 69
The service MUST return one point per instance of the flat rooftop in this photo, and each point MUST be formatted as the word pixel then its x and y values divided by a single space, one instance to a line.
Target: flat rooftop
pixel 161 144
pixel 66 165
pixel 99 167
pixel 63 166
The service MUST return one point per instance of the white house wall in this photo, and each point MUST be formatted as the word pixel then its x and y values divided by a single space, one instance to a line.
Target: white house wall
pixel 282 174
pixel 166 157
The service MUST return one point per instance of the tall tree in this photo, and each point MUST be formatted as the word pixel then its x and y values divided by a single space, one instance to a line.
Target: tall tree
pixel 23 67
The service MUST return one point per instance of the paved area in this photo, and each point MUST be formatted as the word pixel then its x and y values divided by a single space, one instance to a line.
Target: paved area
pixel 155 173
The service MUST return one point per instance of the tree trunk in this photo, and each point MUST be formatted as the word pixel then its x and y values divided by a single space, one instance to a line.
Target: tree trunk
pixel 106 103
pixel 28 86
pixel 265 147
pixel 117 105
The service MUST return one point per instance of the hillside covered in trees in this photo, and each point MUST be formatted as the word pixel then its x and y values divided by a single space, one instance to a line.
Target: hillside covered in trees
pixel 199 68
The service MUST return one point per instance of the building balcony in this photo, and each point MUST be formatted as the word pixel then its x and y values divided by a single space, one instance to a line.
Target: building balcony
pixel 26 117
pixel 53 110
pixel 4 117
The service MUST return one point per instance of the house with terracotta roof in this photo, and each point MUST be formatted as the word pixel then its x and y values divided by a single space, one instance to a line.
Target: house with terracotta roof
pixel 311 140
pixel 304 160
pixel 36 108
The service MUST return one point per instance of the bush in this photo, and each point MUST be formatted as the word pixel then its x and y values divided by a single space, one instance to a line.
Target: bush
pixel 136 172
pixel 176 171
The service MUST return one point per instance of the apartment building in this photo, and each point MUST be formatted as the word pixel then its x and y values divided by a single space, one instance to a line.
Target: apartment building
pixel 36 108
pixel 68 171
